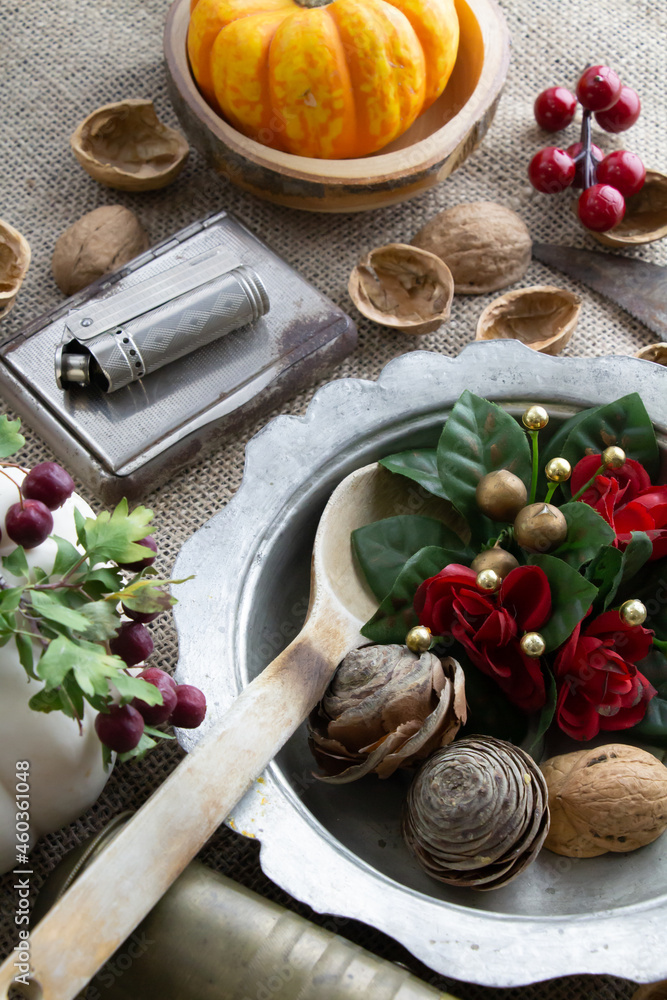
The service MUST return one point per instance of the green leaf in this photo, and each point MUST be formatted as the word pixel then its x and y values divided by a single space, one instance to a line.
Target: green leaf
pixel 554 448
pixel 16 562
pixel 383 548
pixel 158 734
pixel 113 536
pixel 605 572
pixel 637 553
pixel 67 556
pixel 653 727
pixel 587 533
pixel 80 524
pixel 11 440
pixel 541 721
pixel 396 615
pixel 71 697
pixel 571 597
pixel 625 423
pixel 479 437
pixel 489 710
pixel 421 465
pixel 101 581
pixel 134 687
pixel 148 600
pixel 651 590
pixel 145 744
pixel 25 650
pixel 103 619
pixel 56 661
pixel 49 604
pixel 46 701
pixel 10 598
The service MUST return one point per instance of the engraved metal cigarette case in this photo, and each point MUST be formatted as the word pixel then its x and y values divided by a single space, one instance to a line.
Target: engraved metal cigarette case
pixel 132 427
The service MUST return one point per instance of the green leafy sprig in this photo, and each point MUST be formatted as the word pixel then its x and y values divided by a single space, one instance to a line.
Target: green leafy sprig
pixel 62 621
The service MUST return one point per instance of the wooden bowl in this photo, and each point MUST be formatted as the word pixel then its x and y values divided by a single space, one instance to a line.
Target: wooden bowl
pixel 438 142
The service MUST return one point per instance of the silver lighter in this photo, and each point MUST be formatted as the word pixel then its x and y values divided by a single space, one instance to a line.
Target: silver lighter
pixel 112 342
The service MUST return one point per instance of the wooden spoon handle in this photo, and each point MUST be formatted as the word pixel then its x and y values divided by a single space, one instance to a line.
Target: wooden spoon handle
pixel 119 888
pixel 654 991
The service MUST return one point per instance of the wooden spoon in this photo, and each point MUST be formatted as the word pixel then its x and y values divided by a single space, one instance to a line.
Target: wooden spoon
pixel 119 888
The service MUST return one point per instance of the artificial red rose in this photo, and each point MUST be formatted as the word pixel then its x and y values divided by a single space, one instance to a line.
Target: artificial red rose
pixel 490 626
pixel 599 686
pixel 626 500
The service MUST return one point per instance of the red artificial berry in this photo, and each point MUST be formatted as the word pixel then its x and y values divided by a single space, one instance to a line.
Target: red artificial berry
pixel 154 715
pixel 120 729
pixel 555 108
pixel 599 88
pixel 140 564
pixel 140 616
pixel 50 483
pixel 29 524
pixel 624 171
pixel 623 114
pixel 551 170
pixel 132 643
pixel 154 674
pixel 190 708
pixel 601 207
pixel 574 150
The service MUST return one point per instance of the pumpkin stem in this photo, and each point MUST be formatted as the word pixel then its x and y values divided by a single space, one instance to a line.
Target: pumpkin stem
pixel 313 3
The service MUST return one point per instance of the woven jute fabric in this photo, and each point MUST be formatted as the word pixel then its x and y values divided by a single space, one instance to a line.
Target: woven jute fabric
pixel 61 60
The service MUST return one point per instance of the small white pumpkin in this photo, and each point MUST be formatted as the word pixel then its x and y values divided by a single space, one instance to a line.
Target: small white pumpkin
pixel 65 770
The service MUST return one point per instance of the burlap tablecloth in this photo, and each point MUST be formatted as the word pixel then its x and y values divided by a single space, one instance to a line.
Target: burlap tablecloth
pixel 59 61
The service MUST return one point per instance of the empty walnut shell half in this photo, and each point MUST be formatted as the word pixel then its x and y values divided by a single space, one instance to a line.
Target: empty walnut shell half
pixel 476 814
pixel 609 798
pixel 403 288
pixel 14 261
pixel 645 219
pixel 654 352
pixel 542 317
pixel 126 146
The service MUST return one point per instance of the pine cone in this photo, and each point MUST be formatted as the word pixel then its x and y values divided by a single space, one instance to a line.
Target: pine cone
pixel 385 708
pixel 477 813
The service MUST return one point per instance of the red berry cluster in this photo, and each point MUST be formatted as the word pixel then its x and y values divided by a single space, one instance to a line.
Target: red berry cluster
pixel 183 705
pixel 606 180
pixel 45 488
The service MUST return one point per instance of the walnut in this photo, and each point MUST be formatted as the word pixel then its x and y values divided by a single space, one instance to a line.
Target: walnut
pixel 14 261
pixel 609 798
pixel 127 147
pixel 403 288
pixel 486 246
pixel 100 242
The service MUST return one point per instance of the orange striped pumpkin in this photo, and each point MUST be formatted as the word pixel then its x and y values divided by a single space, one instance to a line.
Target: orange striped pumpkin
pixel 323 78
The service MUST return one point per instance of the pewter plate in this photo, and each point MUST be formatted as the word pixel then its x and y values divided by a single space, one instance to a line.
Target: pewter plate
pixel 339 849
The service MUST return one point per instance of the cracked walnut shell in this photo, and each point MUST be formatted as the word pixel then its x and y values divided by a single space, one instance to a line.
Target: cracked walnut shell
pixel 542 317
pixel 404 288
pixel 609 798
pixel 126 146
pixel 486 246
pixel 14 261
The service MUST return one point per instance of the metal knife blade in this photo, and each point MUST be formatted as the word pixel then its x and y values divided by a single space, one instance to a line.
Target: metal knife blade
pixel 637 286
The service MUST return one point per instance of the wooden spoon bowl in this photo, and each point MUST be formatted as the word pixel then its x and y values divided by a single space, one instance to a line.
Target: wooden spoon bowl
pixel 436 144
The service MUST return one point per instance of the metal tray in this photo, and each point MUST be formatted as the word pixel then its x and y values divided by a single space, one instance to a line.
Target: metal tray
pixel 339 849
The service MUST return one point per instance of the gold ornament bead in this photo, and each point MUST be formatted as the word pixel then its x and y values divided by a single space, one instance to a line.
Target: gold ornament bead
pixel 533 644
pixel 633 612
pixel 535 418
pixel 418 639
pixel 488 580
pixel 613 457
pixel 558 470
